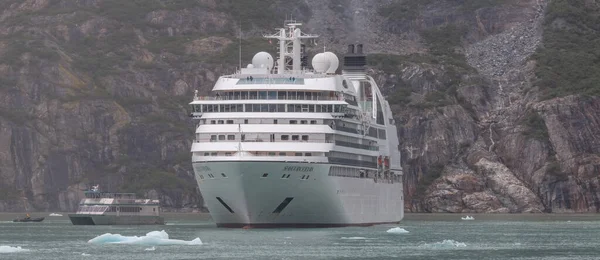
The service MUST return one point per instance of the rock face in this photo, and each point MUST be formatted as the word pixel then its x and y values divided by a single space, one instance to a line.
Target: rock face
pixel 96 91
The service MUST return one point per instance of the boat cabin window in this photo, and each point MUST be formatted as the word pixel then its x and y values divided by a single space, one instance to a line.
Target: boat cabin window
pixel 308 154
pixel 221 137
pixel 229 122
pixel 304 122
pixel 285 137
pixel 282 154
pixel 293 122
pixel 313 122
pixel 212 122
pixel 213 138
pixel 295 137
pixel 305 138
pixel 230 137
pixel 298 154
pixel 220 122
pixel 206 154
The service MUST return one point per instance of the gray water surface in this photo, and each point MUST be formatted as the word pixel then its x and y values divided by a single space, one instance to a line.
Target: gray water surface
pixel 430 237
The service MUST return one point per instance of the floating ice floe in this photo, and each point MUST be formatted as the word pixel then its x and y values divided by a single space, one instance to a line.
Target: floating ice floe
pixel 153 238
pixel 354 238
pixel 468 218
pixel 397 230
pixel 447 243
pixel 11 249
pixel 150 249
pixel 84 254
pixel 55 215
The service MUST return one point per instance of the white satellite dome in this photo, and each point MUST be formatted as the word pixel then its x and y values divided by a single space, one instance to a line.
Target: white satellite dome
pixel 321 62
pixel 262 60
pixel 250 66
pixel 334 62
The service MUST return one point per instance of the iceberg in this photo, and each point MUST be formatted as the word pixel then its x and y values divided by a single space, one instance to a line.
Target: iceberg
pixel 397 230
pixel 153 238
pixel 467 218
pixel 10 249
pixel 55 215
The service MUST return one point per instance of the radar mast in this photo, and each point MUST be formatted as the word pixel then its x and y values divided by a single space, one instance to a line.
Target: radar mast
pixel 288 37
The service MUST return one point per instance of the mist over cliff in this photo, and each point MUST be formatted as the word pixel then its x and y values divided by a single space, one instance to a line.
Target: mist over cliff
pixel 496 101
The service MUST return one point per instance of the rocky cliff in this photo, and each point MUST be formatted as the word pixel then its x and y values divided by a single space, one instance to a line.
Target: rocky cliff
pixel 494 113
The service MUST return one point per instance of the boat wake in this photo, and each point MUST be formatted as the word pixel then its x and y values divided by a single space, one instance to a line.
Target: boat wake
pixel 153 238
pixel 11 249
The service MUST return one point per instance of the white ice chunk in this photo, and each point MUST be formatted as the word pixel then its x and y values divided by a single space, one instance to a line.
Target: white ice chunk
pixel 354 238
pixel 150 249
pixel 55 215
pixel 10 249
pixel 397 230
pixel 447 243
pixel 153 238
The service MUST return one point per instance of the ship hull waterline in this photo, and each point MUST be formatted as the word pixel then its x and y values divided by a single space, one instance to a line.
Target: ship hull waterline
pixel 294 195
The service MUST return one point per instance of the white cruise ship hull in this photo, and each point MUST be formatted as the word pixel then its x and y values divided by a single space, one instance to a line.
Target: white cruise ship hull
pixel 244 198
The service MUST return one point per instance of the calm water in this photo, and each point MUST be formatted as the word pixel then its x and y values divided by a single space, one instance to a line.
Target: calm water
pixel 430 237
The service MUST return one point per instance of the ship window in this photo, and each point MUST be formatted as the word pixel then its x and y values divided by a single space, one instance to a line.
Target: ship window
pixel 295 137
pixel 271 153
pixel 304 122
pixel 227 154
pixel 281 154
pixel 244 95
pixel 262 95
pixel 293 122
pixel 206 154
pixel 221 137
pixel 298 154
pixel 272 108
pixel 308 154
pixel 280 108
pixel 313 122
pixel 213 138
pixel 265 175
pixel 305 138
pixel 285 137
pixel 213 154
pixel 243 137
pixel 274 121
pixel 229 122
pixel 253 95
pixel 281 95
pixel 212 122
pixel 220 122
pixel 223 174
pixel 154 209
pixel 230 137
pixel 245 121
pixel 272 94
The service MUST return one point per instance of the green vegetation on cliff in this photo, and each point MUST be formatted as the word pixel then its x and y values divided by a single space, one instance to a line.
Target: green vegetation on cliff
pixel 569 61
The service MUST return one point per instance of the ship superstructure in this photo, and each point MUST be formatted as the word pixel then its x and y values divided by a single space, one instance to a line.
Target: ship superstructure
pixel 279 144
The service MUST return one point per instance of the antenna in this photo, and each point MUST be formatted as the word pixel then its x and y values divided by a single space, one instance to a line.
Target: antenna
pixel 240 43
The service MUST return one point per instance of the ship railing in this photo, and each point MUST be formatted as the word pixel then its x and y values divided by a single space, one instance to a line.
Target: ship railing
pixel 316 98
pixel 263 141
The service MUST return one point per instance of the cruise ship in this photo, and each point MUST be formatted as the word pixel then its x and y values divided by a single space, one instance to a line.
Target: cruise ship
pixel 282 144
